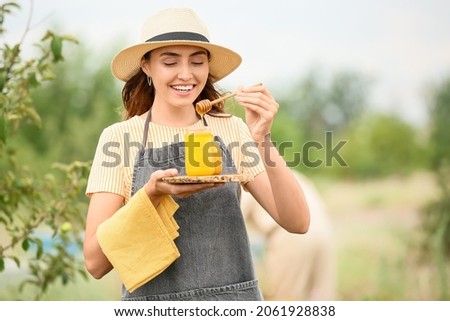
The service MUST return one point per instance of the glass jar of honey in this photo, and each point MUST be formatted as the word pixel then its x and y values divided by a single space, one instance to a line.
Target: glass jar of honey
pixel 203 155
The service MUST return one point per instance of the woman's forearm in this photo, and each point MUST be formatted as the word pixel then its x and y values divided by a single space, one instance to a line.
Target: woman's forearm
pixel 96 262
pixel 290 203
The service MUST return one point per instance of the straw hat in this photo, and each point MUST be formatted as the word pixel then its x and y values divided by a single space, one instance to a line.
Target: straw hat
pixel 170 27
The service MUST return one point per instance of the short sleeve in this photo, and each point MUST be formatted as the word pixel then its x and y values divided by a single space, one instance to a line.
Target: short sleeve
pixel 106 173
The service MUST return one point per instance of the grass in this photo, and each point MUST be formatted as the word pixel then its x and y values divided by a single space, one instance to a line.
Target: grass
pixel 377 226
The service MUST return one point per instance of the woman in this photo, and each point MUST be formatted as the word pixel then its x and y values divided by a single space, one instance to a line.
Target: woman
pixel 182 241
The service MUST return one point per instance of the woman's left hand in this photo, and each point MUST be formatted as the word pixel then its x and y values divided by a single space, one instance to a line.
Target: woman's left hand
pixel 260 109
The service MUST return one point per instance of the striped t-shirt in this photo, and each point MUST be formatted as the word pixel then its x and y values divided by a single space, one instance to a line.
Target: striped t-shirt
pixel 113 164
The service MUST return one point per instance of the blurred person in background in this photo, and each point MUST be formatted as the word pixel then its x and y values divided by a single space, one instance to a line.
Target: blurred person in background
pixel 292 266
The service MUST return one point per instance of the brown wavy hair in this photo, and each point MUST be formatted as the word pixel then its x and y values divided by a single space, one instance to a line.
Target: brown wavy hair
pixel 138 96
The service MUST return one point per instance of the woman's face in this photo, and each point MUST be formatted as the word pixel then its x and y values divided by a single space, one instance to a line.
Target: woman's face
pixel 179 73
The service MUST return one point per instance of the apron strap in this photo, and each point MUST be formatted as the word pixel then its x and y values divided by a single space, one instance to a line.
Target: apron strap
pixel 146 125
pixel 204 121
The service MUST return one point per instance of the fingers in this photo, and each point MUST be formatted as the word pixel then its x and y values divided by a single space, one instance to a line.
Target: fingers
pixel 260 109
pixel 257 98
pixel 165 173
pixel 156 186
pixel 257 88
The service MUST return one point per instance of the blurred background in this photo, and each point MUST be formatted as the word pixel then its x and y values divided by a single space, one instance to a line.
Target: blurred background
pixel 364 90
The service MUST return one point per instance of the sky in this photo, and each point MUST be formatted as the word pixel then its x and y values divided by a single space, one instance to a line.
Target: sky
pixel 402 45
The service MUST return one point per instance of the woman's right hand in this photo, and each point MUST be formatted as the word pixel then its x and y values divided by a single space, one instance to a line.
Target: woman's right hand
pixel 156 187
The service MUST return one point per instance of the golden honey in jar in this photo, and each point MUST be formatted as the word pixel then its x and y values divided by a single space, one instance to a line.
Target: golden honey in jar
pixel 203 156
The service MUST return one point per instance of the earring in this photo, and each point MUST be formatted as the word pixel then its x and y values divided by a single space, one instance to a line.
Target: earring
pixel 149 81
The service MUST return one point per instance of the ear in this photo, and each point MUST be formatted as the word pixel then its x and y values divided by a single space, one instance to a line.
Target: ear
pixel 145 66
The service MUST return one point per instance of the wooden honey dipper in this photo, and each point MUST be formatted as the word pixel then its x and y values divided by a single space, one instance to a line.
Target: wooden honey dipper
pixel 205 105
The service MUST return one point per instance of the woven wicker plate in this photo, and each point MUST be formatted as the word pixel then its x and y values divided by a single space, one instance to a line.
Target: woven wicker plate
pixel 205 179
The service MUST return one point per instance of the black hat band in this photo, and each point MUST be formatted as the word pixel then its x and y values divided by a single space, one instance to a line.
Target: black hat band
pixel 179 35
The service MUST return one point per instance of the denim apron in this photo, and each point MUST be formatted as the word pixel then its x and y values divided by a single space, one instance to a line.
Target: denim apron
pixel 215 261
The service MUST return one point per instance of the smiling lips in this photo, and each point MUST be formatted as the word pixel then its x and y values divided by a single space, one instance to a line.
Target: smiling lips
pixel 183 88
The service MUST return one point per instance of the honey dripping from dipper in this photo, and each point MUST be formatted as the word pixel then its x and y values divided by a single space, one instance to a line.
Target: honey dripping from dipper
pixel 205 105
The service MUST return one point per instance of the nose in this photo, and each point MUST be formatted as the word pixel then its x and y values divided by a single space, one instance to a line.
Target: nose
pixel 185 72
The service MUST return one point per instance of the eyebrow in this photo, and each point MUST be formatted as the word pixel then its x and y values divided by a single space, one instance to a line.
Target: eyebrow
pixel 174 54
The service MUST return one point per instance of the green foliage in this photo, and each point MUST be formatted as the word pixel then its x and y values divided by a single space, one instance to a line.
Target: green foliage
pixel 380 145
pixel 315 108
pixel 437 221
pixel 440 129
pixel 373 144
pixel 75 110
pixel 436 215
pixel 440 158
pixel 33 207
pixel 318 104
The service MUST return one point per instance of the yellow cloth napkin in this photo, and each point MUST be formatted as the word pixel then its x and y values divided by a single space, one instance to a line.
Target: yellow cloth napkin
pixel 166 209
pixel 138 239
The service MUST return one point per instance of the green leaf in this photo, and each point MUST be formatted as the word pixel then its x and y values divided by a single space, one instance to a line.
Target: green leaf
pixel 56 46
pixel 65 278
pixel 25 245
pixel 2 264
pixel 40 248
pixel 5 7
pixel 2 81
pixel 16 260
pixel 32 80
pixel 4 127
